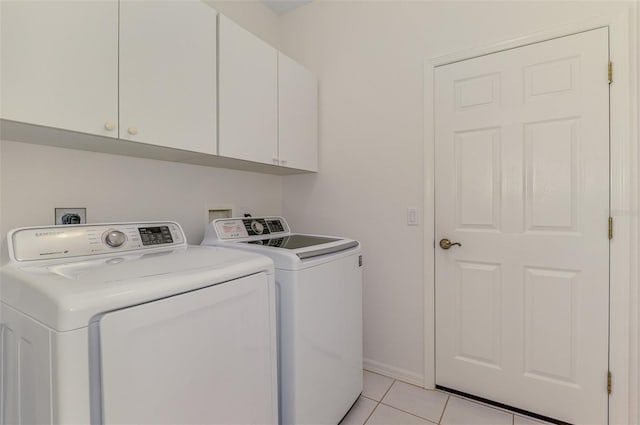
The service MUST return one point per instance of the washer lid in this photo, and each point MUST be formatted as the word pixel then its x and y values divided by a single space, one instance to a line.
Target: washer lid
pixel 272 236
pixel 306 246
pixel 66 294
pixel 293 241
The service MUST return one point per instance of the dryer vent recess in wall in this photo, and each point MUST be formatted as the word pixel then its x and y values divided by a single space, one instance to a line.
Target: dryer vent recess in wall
pixel 64 216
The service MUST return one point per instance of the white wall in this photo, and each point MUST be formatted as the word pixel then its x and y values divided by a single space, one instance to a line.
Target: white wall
pixel 369 59
pixel 35 179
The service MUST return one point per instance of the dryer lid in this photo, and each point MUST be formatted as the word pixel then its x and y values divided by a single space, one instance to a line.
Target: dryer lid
pixel 66 295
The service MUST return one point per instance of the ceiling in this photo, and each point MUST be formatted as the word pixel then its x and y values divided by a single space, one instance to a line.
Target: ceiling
pixel 284 6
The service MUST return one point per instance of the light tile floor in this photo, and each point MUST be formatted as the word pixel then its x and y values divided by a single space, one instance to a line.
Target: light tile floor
pixel 386 401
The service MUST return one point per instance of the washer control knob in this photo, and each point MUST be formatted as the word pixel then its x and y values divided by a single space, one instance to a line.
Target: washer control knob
pixel 115 238
pixel 257 227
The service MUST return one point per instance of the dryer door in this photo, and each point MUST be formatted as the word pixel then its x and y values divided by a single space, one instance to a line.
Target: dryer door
pixel 203 357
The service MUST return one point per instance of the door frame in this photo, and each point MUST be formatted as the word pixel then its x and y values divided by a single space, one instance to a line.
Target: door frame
pixel 623 325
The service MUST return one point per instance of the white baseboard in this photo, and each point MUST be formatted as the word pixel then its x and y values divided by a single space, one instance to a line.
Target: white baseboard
pixel 394 372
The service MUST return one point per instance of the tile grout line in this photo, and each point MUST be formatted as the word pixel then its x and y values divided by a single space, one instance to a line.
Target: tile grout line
pixel 396 408
pixel 388 389
pixel 446 403
pixel 404 411
pixel 380 401
pixel 371 414
pixel 409 413
pixel 449 396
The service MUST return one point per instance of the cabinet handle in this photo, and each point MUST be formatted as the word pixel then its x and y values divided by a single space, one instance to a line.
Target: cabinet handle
pixel 283 162
pixel 132 130
pixel 109 126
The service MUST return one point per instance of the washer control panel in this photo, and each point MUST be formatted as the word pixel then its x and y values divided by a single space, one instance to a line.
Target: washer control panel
pixel 115 238
pixel 238 228
pixel 43 243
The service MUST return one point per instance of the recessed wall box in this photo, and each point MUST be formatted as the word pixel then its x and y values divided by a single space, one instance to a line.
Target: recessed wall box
pixel 70 216
pixel 216 213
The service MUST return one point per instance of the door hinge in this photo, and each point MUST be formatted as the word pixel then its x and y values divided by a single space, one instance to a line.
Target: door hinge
pixel 609 382
pixel 610 72
pixel 610 227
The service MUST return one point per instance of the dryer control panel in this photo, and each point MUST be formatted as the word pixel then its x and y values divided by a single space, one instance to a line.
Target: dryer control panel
pixel 238 228
pixel 53 242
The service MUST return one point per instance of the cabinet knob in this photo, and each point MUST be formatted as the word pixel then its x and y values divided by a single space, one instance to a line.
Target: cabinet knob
pixel 283 162
pixel 132 130
pixel 109 126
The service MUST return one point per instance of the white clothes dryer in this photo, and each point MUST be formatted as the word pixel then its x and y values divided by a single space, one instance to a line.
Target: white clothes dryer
pixel 125 323
pixel 319 293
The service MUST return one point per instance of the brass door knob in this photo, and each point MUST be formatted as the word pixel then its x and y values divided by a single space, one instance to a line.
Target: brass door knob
pixel 446 243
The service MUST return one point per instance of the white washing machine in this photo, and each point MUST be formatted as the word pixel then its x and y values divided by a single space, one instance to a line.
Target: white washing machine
pixel 125 323
pixel 319 292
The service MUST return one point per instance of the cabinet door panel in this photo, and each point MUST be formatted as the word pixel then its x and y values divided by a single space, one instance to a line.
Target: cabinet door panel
pixel 248 95
pixel 297 115
pixel 168 74
pixel 59 64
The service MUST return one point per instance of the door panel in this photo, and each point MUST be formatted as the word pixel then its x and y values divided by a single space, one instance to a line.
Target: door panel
pixel 478 179
pixel 522 182
pixel 478 304
pixel 551 175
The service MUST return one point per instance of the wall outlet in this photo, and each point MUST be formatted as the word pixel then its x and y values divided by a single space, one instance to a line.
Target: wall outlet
pixel 70 216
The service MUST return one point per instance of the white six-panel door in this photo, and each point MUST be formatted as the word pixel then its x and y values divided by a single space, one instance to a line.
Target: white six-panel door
pixel 522 182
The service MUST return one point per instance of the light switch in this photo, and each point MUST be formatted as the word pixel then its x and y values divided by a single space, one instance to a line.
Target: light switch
pixel 412 216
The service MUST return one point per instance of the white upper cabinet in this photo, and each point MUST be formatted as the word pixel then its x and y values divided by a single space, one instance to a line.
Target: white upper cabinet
pixel 248 95
pixel 59 64
pixel 298 115
pixel 161 74
pixel 168 74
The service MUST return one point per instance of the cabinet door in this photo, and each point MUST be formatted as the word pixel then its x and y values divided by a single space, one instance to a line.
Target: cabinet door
pixel 59 64
pixel 298 115
pixel 168 74
pixel 248 95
